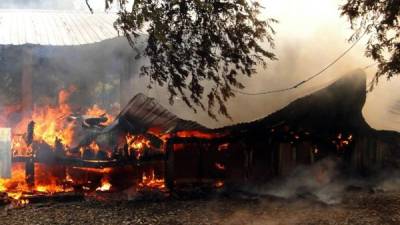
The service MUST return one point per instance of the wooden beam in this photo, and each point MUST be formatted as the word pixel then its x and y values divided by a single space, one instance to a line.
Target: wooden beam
pixel 170 166
pixel 75 162
pixel 30 171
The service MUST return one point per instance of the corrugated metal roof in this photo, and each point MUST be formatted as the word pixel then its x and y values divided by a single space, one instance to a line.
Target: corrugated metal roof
pixel 146 113
pixel 55 28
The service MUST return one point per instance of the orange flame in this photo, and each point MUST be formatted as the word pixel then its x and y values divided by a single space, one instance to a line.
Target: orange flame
pixel 96 111
pixel 223 147
pixel 94 147
pixel 105 185
pixel 219 184
pixel 16 186
pixel 50 123
pixel 194 134
pixel 137 144
pixel 150 181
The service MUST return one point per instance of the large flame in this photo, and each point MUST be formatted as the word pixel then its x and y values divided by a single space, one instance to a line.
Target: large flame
pixel 16 187
pixel 50 123
pixel 52 127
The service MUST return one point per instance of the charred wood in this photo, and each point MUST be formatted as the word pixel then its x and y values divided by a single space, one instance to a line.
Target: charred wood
pixel 30 133
pixel 30 171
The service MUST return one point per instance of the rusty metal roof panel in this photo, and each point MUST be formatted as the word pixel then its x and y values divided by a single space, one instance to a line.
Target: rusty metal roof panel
pixel 55 28
pixel 146 113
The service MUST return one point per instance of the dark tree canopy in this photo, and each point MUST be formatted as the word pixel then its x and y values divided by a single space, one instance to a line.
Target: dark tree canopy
pixel 380 20
pixel 199 48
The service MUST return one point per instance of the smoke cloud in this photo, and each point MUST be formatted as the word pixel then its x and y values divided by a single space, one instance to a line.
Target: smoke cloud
pixel 309 36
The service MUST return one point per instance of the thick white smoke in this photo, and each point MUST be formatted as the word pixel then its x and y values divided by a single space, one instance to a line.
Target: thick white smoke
pixel 310 34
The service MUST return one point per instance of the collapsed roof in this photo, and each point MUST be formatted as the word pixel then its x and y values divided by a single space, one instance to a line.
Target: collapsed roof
pixel 144 113
pixel 336 108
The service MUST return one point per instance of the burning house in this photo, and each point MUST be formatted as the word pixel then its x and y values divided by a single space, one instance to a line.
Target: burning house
pixel 58 145
pixel 45 61
pixel 326 123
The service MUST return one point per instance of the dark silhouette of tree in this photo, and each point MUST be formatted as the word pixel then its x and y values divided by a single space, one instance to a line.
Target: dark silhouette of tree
pixel 199 48
pixel 380 21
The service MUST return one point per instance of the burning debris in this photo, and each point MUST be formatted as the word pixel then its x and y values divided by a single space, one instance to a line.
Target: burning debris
pixel 325 124
pixel 58 150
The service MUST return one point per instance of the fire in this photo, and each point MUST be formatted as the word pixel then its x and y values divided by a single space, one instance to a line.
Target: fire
pixel 96 111
pixel 50 124
pixel 47 181
pixel 194 134
pixel 51 127
pixel 19 146
pixel 219 184
pixel 94 170
pixel 220 166
pixel 223 147
pixel 150 181
pixel 18 200
pixel 51 189
pixel 81 151
pixel 105 185
pixel 342 141
pixel 137 144
pixel 94 147
pixel 16 185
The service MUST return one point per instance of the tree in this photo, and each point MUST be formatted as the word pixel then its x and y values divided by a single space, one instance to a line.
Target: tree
pixel 380 20
pixel 199 48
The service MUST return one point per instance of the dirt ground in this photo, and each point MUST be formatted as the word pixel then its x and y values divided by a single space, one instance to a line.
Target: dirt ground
pixel 361 208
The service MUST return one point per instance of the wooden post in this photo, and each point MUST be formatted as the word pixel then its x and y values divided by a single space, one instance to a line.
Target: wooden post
pixel 30 172
pixel 169 166
pixel 304 153
pixel 200 175
pixel 381 152
pixel 26 85
pixel 30 163
pixel 286 159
